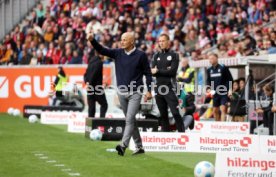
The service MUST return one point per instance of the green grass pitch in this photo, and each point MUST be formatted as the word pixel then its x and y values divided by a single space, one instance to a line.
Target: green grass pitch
pixel 36 150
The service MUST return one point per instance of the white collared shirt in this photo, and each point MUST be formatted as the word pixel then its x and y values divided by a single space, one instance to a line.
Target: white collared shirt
pixel 131 51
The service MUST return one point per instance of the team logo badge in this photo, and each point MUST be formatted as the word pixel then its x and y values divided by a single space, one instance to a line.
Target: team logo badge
pixel 158 59
pixel 169 58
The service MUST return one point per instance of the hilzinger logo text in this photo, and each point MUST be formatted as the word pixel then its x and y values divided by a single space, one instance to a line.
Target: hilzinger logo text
pixel 182 140
pixel 245 163
pixel 225 142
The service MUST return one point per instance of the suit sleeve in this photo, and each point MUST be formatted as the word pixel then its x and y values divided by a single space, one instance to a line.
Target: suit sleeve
pixel 112 53
pixel 147 71
pixel 171 72
pixel 154 61
pixel 228 76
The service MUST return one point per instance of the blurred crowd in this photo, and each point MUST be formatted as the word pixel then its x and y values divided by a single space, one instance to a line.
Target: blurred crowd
pixel 55 34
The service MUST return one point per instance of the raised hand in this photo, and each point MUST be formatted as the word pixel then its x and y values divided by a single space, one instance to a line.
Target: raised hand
pixel 90 36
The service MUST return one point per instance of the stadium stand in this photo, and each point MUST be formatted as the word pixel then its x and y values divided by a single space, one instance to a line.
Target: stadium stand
pixel 55 34
pixel 12 12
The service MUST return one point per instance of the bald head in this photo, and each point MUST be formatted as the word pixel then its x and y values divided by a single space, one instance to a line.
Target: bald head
pixel 127 41
pixel 129 35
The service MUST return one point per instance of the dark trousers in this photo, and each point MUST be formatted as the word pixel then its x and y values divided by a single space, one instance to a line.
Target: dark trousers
pixel 253 125
pixel 163 102
pixel 59 96
pixel 268 121
pixel 101 99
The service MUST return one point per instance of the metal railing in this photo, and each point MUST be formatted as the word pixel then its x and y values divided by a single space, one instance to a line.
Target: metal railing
pixel 12 12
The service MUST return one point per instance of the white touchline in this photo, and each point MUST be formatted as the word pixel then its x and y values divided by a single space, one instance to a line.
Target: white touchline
pixel 51 161
pixel 68 170
pixel 59 165
pixel 74 174
pixel 43 157
pixel 39 154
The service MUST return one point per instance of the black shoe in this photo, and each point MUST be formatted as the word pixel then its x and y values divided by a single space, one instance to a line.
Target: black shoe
pixel 120 149
pixel 139 150
pixel 191 126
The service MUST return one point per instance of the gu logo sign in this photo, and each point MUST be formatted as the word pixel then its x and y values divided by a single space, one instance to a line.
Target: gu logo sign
pixel 4 87
pixel 22 86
